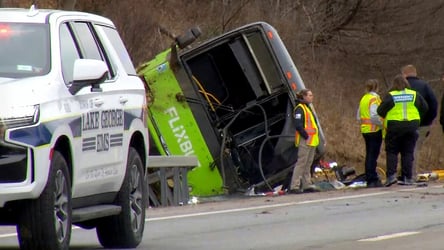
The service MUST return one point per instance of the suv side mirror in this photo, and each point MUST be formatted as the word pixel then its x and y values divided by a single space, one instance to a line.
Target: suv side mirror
pixel 88 72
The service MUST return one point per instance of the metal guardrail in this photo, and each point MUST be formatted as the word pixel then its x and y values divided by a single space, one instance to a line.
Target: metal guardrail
pixel 175 168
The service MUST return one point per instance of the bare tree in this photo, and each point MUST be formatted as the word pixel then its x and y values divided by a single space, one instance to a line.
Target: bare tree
pixel 336 44
pixel 67 4
pixel 228 14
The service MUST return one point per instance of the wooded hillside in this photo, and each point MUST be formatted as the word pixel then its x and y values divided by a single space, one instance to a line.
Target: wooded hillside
pixel 336 45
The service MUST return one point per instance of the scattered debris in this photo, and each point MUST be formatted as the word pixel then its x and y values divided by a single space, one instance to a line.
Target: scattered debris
pixel 276 192
pixel 430 176
pixel 193 201
pixel 331 176
pixel 358 184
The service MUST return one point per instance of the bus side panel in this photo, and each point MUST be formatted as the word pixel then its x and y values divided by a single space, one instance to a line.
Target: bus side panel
pixel 174 128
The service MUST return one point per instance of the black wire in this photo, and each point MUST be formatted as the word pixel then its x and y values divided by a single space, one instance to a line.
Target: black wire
pixel 224 135
pixel 197 101
pixel 260 156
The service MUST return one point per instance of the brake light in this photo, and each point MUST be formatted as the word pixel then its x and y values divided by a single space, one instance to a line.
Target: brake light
pixel 4 31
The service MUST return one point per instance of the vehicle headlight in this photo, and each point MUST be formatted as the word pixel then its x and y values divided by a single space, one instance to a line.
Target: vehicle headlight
pixel 19 116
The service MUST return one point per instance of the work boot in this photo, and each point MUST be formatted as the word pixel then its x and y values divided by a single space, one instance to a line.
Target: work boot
pixel 374 184
pixel 295 191
pixel 406 181
pixel 311 188
pixel 390 180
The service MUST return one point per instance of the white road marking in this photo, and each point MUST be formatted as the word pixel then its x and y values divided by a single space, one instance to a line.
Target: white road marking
pixel 265 206
pixel 389 236
pixel 15 234
pixel 8 235
pixel 255 208
pixel 281 205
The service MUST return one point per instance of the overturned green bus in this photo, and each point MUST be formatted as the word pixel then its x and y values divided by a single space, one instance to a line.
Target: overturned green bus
pixel 227 101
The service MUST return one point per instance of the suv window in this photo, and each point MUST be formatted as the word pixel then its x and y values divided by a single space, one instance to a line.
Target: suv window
pixel 120 48
pixel 20 57
pixel 68 52
pixel 88 45
pixel 79 41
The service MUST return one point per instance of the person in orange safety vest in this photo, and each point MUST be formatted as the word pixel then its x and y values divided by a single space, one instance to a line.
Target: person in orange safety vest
pixel 306 139
pixel 371 130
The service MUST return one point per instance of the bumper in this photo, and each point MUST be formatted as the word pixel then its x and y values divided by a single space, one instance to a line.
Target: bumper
pixel 16 174
pixel 10 192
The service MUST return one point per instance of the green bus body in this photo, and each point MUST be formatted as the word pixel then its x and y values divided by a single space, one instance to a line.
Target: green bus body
pixel 173 128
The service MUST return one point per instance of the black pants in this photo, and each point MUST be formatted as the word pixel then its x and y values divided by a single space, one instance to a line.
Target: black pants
pixel 402 142
pixel 373 143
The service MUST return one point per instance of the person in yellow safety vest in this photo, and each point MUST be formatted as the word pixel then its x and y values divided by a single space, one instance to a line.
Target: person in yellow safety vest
pixel 306 139
pixel 401 109
pixel 371 124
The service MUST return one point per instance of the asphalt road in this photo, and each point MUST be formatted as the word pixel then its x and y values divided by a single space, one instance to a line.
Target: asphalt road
pixel 392 218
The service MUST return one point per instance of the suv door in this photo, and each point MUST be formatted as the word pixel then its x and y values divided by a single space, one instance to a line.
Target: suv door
pixel 98 155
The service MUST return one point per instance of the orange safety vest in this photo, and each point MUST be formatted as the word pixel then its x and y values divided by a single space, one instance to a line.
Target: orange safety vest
pixel 310 127
pixel 364 109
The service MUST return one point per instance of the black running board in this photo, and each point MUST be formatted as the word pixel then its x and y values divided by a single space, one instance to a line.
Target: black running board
pixel 94 212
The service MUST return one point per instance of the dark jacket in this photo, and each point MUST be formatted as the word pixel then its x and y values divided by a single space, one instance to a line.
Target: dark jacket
pixel 299 119
pixel 441 116
pixel 424 89
pixel 387 104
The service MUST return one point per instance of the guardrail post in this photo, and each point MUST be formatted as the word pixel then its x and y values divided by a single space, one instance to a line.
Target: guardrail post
pixel 175 167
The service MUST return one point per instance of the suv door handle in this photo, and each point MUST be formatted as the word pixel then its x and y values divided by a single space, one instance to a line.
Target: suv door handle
pixel 123 100
pixel 98 102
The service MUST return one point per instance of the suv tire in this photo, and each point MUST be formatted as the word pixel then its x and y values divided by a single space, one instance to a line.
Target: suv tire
pixel 45 223
pixel 125 230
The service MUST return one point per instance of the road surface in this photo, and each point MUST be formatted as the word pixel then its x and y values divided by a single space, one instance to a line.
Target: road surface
pixel 392 218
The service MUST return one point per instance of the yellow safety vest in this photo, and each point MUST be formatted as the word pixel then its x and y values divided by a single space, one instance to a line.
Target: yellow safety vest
pixel 364 110
pixel 310 127
pixel 404 109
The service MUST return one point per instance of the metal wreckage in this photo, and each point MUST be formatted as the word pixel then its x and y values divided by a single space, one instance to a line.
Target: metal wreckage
pixel 228 101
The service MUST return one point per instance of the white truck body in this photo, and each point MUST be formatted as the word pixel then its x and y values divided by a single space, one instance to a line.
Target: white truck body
pixel 72 126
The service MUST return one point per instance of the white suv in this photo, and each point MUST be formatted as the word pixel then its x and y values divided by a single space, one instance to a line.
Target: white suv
pixel 73 131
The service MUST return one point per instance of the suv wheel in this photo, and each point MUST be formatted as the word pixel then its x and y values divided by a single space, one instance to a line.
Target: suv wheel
pixel 45 223
pixel 125 229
